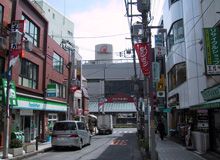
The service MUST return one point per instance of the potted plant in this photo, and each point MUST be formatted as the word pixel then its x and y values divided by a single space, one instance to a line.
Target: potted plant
pixel 16 147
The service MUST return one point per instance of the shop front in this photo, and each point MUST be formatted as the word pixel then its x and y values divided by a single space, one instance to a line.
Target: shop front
pixel 31 115
pixel 208 123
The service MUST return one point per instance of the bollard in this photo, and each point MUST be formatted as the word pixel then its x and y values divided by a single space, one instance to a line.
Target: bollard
pixel 37 139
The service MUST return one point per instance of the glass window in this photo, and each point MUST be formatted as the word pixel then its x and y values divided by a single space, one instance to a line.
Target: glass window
pixel 31 31
pixel 60 89
pixel 176 34
pixel 58 63
pixel 172 1
pixel 28 75
pixel 62 126
pixel 176 76
pixel 1 14
pixel 81 126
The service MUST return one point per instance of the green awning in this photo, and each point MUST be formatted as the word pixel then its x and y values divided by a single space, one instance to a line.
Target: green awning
pixel 207 105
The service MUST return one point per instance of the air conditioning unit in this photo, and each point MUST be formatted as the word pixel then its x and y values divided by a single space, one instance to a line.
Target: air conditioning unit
pixel 3 43
pixel 28 46
pixel 160 93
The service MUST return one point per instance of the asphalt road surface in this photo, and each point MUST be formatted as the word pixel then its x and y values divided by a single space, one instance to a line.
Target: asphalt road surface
pixel 120 145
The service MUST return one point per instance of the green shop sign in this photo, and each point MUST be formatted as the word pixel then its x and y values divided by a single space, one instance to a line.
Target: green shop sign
pixel 51 90
pixel 211 93
pixel 12 92
pixel 212 46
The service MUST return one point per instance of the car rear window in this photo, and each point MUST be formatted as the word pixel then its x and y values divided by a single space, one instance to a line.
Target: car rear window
pixel 62 126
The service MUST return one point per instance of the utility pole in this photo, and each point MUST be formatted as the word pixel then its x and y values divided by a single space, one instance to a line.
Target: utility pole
pixel 70 48
pixel 15 49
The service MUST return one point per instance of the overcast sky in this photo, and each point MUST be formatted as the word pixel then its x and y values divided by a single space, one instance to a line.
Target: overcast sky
pixel 104 20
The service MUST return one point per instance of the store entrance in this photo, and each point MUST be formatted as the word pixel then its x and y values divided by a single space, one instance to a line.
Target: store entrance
pixel 215 130
pixel 28 128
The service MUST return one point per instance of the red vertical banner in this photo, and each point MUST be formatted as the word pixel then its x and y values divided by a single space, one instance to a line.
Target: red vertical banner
pixel 143 52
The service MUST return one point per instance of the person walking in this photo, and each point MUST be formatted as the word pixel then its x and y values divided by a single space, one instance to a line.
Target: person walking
pixel 161 129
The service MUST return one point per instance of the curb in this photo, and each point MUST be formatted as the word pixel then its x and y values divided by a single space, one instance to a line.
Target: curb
pixel 27 155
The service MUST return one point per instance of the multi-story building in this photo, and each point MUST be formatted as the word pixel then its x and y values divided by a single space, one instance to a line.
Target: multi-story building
pixel 112 84
pixel 56 20
pixel 28 73
pixel 193 69
pixel 39 103
pixel 64 37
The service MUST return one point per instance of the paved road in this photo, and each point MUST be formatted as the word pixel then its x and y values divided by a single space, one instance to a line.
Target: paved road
pixel 122 144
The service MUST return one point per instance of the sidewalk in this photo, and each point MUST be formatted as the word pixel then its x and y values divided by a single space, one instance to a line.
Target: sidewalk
pixel 42 147
pixel 169 150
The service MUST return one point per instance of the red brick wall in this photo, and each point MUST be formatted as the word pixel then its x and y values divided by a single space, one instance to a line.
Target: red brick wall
pixel 52 74
pixel 37 55
pixel 7 11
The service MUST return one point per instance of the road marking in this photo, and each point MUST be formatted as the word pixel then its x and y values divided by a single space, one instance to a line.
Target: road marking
pixel 119 142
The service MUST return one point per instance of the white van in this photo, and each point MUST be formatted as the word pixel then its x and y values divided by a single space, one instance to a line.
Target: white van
pixel 71 134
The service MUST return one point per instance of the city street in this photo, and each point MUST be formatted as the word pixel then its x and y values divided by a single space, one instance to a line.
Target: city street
pixel 122 144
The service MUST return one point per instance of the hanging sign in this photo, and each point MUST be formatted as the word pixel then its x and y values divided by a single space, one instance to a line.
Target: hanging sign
pixel 143 52
pixel 12 92
pixel 16 40
pixel 212 45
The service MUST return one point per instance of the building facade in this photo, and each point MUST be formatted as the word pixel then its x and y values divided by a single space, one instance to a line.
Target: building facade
pixel 112 84
pixel 188 71
pixel 56 19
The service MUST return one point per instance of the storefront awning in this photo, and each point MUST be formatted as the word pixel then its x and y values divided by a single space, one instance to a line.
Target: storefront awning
pixel 113 107
pixel 207 105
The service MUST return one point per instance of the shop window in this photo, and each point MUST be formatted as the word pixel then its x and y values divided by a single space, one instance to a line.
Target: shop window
pixel 176 76
pixel 176 34
pixel 28 75
pixel 60 89
pixel 58 63
pixel 31 31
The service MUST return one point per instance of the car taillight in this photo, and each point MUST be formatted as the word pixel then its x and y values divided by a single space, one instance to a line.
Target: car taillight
pixel 74 135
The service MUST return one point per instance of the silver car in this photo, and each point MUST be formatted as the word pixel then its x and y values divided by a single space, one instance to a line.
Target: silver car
pixel 70 134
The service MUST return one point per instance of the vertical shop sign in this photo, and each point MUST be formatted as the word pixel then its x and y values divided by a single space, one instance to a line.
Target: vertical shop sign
pixel 16 40
pixel 12 92
pixel 156 71
pixel 212 54
pixel 143 52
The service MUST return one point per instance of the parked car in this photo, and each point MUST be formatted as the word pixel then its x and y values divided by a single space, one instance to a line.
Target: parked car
pixel 70 134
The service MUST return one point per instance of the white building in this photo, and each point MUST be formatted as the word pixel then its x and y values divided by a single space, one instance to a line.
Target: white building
pixel 60 27
pixel 104 53
pixel 190 87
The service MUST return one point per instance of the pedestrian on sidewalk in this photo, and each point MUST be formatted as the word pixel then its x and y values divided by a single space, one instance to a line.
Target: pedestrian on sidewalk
pixel 161 129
